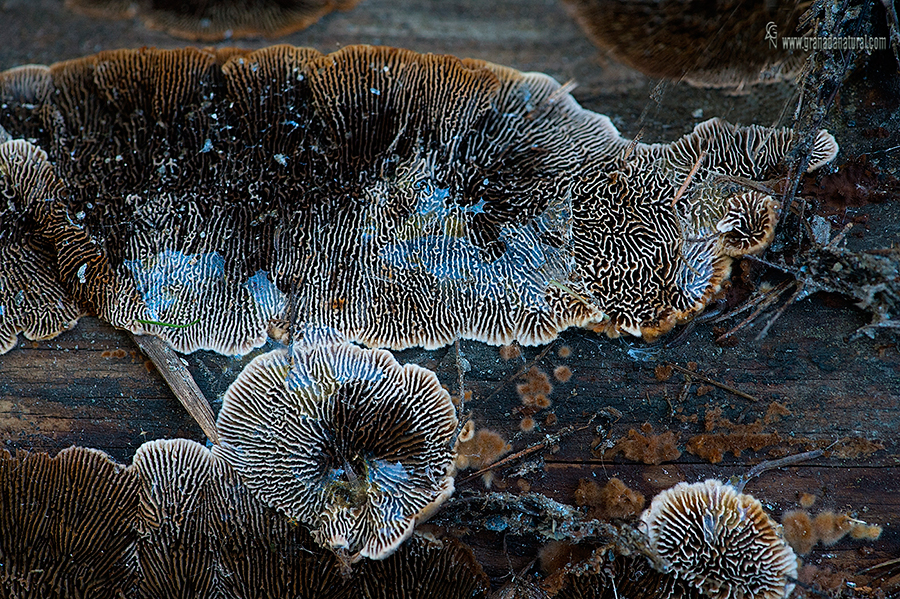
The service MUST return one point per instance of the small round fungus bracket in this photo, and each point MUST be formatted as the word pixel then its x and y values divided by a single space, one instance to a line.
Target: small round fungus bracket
pixel 343 439
pixel 720 541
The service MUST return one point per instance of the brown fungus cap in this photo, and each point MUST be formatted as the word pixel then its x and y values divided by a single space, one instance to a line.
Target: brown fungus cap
pixel 215 191
pixel 707 44
pixel 177 556
pixel 66 525
pixel 345 440
pixel 215 20
pixel 720 541
pixel 443 568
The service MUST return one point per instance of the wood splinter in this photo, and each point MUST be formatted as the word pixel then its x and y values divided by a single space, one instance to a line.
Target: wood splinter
pixel 180 381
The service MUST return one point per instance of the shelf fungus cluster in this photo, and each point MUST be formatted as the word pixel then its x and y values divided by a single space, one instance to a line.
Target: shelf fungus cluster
pixel 179 522
pixel 343 439
pixel 401 199
pixel 214 198
pixel 719 541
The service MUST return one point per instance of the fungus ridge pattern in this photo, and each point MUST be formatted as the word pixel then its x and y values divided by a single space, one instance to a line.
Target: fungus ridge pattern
pixel 32 298
pixel 720 541
pixel 401 199
pixel 342 439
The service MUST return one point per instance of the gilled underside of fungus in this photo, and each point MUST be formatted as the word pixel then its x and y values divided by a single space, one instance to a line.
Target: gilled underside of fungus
pixel 401 199
pixel 66 525
pixel 343 439
pixel 214 20
pixel 179 522
pixel 720 542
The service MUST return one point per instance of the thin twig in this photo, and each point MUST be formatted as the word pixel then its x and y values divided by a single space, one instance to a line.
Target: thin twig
pixel 690 176
pixel 180 381
pixel 801 288
pixel 715 383
pixel 890 562
pixel 767 300
pixel 549 440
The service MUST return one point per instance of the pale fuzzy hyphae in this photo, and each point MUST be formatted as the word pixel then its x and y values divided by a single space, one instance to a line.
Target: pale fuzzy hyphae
pixel 398 198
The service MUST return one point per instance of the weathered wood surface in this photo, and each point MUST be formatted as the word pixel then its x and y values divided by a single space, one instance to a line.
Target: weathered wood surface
pixel 91 386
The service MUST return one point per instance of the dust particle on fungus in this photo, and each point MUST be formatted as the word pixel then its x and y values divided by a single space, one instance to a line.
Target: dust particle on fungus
pixel 510 352
pixel 613 501
pixel 562 373
pixel 799 531
pixel 564 352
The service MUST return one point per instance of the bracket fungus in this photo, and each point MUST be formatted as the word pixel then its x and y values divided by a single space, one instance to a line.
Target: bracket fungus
pixel 720 541
pixel 399 198
pixel 728 43
pixel 66 525
pixel 216 20
pixel 343 439
pixel 33 300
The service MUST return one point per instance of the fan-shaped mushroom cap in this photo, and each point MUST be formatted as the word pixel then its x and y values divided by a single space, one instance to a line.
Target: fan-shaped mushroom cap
pixel 720 541
pixel 66 525
pixel 33 300
pixel 177 557
pixel 343 439
pixel 720 44
pixel 401 199
pixel 204 535
pixel 214 20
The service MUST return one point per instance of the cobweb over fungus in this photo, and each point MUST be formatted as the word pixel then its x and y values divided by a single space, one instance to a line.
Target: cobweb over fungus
pixel 720 541
pixel 207 193
pixel 343 439
pixel 215 20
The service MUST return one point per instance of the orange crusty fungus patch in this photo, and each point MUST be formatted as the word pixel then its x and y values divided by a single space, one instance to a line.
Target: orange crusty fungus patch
pixel 646 447
pixel 483 449
pixel 510 352
pixel 562 374
pixel 536 389
pixel 828 527
pixel 614 500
